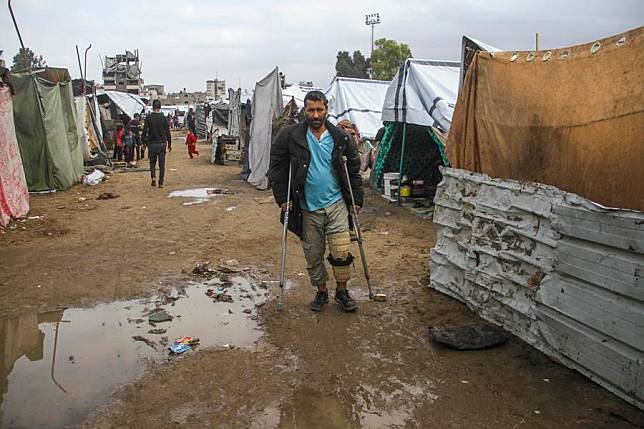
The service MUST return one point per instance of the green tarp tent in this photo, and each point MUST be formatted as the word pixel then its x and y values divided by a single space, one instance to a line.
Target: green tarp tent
pixel 45 121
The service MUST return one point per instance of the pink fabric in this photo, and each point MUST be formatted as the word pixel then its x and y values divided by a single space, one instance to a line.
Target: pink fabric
pixel 14 195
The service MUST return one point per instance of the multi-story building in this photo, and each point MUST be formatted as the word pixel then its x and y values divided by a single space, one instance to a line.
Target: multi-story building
pixel 154 92
pixel 184 97
pixel 122 72
pixel 216 89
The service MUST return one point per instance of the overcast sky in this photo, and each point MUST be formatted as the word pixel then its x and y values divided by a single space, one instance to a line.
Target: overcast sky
pixel 184 43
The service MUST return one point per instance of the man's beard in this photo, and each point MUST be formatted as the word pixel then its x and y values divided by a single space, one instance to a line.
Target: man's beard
pixel 314 123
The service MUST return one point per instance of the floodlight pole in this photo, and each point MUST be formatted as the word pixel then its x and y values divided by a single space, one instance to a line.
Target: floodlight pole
pixel 372 19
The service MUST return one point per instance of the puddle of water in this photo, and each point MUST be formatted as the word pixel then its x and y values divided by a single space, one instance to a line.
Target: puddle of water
pixel 311 409
pixel 199 193
pixel 392 407
pixel 56 367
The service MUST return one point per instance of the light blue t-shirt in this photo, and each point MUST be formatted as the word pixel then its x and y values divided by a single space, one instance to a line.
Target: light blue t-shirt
pixel 322 188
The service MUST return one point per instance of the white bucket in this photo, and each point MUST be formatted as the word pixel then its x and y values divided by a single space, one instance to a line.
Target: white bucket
pixel 387 179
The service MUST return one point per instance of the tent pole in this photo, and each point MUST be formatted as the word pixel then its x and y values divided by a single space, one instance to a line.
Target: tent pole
pixel 402 158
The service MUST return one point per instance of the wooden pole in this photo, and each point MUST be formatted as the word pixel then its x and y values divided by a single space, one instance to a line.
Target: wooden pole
pixel 536 41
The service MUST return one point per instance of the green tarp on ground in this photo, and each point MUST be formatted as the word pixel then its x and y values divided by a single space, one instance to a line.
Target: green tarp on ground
pixel 45 121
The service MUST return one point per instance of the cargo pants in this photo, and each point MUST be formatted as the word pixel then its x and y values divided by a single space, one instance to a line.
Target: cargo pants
pixel 316 227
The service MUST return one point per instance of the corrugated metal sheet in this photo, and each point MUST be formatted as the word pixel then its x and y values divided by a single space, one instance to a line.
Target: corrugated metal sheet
pixel 557 270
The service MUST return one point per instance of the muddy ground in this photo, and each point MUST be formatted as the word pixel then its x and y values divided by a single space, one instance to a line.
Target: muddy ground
pixel 374 368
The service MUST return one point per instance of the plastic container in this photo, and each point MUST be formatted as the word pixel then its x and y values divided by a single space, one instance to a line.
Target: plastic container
pixel 390 181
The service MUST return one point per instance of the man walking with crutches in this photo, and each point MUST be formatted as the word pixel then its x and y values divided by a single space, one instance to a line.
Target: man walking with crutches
pixel 309 157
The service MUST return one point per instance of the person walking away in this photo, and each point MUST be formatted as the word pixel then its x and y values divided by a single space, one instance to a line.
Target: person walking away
pixel 118 144
pixel 191 122
pixel 320 194
pixel 135 129
pixel 191 142
pixel 156 134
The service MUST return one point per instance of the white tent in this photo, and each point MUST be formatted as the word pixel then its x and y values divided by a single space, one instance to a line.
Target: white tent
pixel 267 105
pixel 358 100
pixel 423 92
pixel 128 103
pixel 298 92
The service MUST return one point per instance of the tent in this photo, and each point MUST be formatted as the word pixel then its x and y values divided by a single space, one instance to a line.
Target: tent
pixel 45 120
pixel 234 112
pixel 297 92
pixel 417 111
pixel 469 47
pixel 126 102
pixel 14 195
pixel 267 105
pixel 358 100
pixel 570 117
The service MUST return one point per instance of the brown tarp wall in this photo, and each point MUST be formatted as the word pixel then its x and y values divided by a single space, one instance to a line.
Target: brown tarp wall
pixel 575 121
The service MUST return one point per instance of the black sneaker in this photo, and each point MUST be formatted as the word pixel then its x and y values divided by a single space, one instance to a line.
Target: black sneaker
pixel 342 297
pixel 154 182
pixel 321 298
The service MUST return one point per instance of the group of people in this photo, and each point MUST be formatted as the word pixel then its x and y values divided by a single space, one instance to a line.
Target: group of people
pixel 128 144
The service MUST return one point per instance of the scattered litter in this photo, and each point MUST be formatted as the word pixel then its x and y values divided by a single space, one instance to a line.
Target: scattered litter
pixel 300 274
pixel 173 169
pixel 231 208
pixel 537 412
pixel 220 191
pixel 157 331
pixel 465 382
pixel 260 304
pixel 380 297
pixel 204 269
pixel 172 253
pixel 547 380
pixel 35 217
pixel 248 311
pixel 469 337
pixel 60 207
pixel 135 320
pixel 161 316
pixel 265 200
pixel 145 340
pixel 81 199
pixel 177 349
pixel 107 196
pixel 93 178
pixel 187 340
pixel 383 232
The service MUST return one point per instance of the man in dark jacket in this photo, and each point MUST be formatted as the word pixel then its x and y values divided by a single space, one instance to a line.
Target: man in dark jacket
pixel 191 122
pixel 320 195
pixel 156 133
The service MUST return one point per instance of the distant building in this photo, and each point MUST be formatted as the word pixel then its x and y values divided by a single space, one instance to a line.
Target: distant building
pixel 122 72
pixel 154 92
pixel 184 97
pixel 216 89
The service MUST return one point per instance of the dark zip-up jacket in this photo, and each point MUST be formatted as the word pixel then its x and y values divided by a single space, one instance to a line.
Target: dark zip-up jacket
pixel 290 145
pixel 156 129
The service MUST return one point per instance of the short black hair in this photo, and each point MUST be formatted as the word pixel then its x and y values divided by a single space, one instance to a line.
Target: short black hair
pixel 156 104
pixel 315 96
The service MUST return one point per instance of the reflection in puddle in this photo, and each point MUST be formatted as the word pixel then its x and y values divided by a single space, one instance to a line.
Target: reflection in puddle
pixel 56 367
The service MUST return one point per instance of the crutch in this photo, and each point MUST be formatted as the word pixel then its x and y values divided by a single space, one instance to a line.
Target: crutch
pixel 356 229
pixel 280 303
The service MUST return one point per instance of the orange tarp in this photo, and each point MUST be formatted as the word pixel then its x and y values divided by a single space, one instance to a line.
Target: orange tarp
pixel 571 117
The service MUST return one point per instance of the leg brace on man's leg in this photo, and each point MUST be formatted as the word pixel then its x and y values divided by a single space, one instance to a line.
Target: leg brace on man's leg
pixel 340 258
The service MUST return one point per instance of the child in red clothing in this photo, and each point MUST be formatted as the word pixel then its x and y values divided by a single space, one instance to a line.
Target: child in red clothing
pixel 118 144
pixel 191 141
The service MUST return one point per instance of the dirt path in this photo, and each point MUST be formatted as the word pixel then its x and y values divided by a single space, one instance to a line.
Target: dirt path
pixel 374 368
